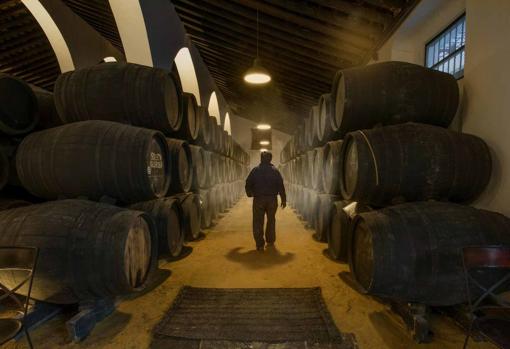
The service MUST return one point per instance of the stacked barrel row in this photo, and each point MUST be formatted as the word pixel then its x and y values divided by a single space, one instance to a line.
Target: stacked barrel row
pixel 388 188
pixel 123 168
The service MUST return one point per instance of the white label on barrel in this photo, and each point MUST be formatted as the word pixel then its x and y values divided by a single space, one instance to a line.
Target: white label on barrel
pixel 156 161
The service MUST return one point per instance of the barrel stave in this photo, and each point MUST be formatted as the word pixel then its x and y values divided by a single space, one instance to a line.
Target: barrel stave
pixel 87 250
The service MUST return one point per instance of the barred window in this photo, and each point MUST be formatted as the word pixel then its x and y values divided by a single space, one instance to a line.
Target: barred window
pixel 446 51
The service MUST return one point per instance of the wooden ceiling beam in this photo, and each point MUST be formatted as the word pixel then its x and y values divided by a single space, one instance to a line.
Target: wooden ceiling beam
pixel 227 9
pixel 275 63
pixel 358 10
pixel 16 40
pixel 266 52
pixel 295 87
pixel 245 25
pixel 350 38
pixel 302 94
pixel 345 21
pixel 28 61
pixel 296 92
pixel 24 47
pixel 246 31
pixel 292 86
pixel 5 4
pixel 393 6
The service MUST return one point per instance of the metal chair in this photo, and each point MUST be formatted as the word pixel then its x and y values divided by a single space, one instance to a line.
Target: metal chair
pixel 20 263
pixel 476 260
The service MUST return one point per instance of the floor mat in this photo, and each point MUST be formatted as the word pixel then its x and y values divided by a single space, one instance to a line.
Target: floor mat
pixel 252 315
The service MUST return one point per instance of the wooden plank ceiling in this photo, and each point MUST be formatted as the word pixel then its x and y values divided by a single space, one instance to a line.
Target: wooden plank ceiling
pixel 301 42
pixel 25 51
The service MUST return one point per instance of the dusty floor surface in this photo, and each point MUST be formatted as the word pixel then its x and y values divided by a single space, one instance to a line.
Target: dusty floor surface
pixel 226 258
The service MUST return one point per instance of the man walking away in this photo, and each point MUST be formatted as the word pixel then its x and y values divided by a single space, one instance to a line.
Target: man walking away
pixel 264 183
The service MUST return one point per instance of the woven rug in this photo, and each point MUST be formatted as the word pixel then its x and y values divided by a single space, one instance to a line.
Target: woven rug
pixel 221 316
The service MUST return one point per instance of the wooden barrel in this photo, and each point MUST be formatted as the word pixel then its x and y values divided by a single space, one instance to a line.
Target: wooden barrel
pixel 394 93
pixel 412 252
pixel 298 201
pixel 295 170
pixel 325 131
pixel 334 88
pixel 224 169
pixel 318 169
pixel 216 168
pixel 204 132
pixel 48 116
pixel 123 92
pixel 214 201
pixel 212 171
pixel 230 143
pixel 308 171
pixel 191 214
pixel 219 194
pixel 299 138
pixel 285 153
pixel 190 126
pixel 308 132
pixel 87 250
pixel 8 204
pixel 220 168
pixel 342 213
pixel 218 144
pixel 205 200
pixel 94 159
pixel 413 162
pixel 323 218
pixel 4 169
pixel 213 127
pixel 315 116
pixel 306 204
pixel 199 167
pixel 182 165
pixel 18 106
pixel 331 172
pixel 167 214
pixel 313 208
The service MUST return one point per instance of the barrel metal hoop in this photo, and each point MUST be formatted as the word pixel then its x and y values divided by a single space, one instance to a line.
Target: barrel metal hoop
pixel 373 157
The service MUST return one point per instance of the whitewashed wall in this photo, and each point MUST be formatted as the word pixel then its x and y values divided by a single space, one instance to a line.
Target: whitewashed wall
pixel 486 82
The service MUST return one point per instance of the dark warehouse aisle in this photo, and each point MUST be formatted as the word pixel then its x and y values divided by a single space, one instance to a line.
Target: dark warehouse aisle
pixel 226 259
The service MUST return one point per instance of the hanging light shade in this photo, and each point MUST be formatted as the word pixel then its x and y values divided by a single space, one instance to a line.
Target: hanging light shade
pixel 257 74
pixel 263 127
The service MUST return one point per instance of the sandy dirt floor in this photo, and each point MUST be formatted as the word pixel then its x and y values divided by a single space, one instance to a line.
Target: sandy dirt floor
pixel 226 258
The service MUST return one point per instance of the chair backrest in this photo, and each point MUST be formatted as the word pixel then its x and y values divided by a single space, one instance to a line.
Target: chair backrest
pixel 21 263
pixel 486 257
pixel 14 257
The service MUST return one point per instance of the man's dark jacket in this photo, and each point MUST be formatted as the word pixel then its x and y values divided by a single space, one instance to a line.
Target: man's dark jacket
pixel 265 180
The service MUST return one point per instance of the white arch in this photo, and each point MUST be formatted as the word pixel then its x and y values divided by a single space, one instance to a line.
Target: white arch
pixel 133 33
pixel 57 42
pixel 186 70
pixel 214 108
pixel 227 126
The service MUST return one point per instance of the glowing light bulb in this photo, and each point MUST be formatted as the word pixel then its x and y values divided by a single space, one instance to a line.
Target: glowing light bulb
pixel 257 74
pixel 264 142
pixel 264 127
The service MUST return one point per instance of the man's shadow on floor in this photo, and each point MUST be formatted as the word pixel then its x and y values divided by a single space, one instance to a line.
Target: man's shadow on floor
pixel 254 259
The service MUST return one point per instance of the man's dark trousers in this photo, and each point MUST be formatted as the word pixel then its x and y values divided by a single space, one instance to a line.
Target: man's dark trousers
pixel 264 205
